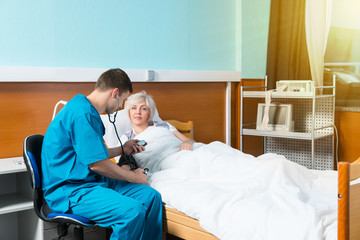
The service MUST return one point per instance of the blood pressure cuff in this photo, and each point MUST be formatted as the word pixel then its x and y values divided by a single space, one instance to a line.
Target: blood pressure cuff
pixel 128 160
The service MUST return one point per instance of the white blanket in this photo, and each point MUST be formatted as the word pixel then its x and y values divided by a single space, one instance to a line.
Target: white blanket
pixel 237 196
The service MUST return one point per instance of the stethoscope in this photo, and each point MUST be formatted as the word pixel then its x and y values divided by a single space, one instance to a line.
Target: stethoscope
pixel 146 170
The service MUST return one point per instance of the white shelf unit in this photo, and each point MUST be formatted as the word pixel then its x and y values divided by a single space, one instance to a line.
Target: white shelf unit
pixel 18 220
pixel 311 144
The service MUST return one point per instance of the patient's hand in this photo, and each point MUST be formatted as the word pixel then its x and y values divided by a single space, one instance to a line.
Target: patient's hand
pixel 186 146
pixel 187 142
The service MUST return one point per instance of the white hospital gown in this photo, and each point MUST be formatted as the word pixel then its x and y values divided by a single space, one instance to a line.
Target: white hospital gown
pixel 131 134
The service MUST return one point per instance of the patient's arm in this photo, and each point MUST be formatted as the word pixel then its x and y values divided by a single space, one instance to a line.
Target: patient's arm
pixel 187 142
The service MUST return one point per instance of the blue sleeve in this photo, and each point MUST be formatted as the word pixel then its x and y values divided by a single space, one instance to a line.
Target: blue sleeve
pixel 88 140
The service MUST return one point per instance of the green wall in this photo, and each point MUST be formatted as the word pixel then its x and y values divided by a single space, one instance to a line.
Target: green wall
pixel 255 29
pixel 133 34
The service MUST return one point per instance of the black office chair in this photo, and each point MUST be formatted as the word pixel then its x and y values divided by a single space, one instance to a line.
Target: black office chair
pixel 32 158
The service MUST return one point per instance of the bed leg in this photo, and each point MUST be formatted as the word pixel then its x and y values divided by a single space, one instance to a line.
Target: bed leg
pixel 164 235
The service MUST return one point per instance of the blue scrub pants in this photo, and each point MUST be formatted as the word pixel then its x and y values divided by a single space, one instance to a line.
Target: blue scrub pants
pixel 133 211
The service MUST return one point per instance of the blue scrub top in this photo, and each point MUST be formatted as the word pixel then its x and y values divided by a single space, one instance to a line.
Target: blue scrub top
pixel 73 140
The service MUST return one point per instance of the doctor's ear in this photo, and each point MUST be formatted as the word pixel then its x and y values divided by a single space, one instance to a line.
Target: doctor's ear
pixel 115 93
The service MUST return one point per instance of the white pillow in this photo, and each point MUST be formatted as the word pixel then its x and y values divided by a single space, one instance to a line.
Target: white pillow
pixel 123 125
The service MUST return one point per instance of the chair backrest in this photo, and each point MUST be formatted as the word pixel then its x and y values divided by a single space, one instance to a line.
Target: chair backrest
pixel 32 158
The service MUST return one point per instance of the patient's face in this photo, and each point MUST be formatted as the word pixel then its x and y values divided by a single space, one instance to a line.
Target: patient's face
pixel 139 114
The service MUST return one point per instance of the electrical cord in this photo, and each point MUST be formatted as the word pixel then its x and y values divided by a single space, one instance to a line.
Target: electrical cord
pixel 337 145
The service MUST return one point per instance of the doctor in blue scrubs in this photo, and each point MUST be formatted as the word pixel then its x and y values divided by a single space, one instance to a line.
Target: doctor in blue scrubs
pixel 78 176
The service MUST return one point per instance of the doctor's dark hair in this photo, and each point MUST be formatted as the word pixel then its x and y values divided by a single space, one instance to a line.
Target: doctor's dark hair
pixel 114 78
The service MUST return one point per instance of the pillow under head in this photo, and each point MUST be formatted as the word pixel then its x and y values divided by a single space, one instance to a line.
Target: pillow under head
pixel 123 125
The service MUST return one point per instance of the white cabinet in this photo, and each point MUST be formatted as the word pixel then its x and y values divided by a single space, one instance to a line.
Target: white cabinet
pixel 311 144
pixel 18 220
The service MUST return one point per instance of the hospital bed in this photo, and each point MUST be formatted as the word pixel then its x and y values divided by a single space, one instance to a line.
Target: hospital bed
pixel 182 226
pixel 175 222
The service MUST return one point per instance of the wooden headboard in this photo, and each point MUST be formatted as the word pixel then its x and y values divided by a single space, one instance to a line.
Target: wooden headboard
pixel 26 107
pixel 186 128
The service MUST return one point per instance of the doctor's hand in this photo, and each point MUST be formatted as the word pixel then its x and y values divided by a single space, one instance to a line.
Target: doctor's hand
pixel 138 176
pixel 131 147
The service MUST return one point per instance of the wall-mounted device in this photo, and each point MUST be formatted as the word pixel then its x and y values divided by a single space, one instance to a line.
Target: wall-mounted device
pixel 150 75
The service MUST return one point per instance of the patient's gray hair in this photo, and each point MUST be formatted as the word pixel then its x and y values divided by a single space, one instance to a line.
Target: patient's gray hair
pixel 140 97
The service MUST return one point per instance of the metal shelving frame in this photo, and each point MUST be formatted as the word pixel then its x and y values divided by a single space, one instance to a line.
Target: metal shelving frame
pixel 314 122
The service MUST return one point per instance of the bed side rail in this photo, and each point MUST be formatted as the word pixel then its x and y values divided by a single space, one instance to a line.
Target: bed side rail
pixel 348 201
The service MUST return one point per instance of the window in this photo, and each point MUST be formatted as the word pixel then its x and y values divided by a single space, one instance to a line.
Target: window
pixel 342 56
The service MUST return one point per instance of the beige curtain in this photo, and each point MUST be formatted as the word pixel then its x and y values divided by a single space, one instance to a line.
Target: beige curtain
pixel 317 22
pixel 287 57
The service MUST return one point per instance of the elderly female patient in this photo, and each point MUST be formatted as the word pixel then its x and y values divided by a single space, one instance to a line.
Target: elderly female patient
pixel 141 109
pixel 162 138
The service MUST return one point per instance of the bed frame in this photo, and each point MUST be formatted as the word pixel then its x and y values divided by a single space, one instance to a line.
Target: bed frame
pixel 185 227
pixel 174 222
pixel 348 201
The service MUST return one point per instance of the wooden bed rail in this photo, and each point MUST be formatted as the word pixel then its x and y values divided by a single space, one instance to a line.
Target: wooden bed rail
pixel 348 201
pixel 182 226
pixel 343 200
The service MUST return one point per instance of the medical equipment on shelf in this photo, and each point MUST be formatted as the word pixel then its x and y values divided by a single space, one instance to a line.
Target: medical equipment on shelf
pixel 263 120
pixel 283 113
pixel 279 117
pixel 296 86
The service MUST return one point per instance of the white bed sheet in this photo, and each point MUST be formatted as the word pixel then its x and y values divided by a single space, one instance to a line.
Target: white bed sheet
pixel 355 181
pixel 237 196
